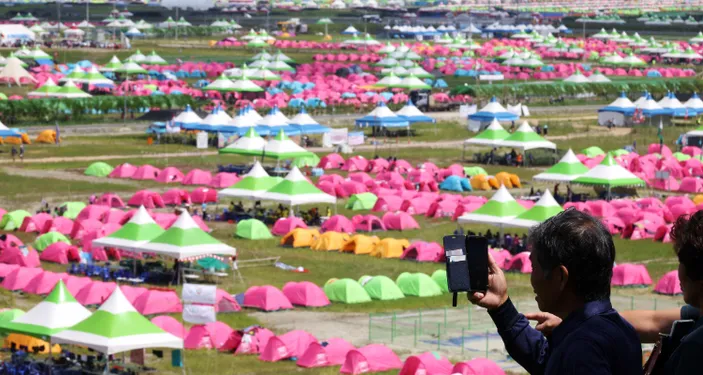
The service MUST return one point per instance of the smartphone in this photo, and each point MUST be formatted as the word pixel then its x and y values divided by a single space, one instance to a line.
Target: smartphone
pixel 457 270
pixel 477 262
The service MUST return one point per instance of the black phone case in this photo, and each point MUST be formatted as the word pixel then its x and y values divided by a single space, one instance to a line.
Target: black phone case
pixel 457 268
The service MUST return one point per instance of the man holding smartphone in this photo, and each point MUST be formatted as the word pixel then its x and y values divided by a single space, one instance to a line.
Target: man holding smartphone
pixel 572 259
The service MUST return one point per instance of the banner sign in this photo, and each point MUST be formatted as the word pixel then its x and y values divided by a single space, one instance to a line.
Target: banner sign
pixel 199 293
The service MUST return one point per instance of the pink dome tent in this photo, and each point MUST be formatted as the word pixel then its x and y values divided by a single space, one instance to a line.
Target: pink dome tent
pixel 224 302
pixel 74 284
pixel 170 325
pixel 59 224
pixel 145 172
pixel 92 212
pixel 158 302
pixel 355 164
pixel 146 198
pixel 337 223
pixel 61 253
pixel 416 206
pixel 18 278
pixel 502 257
pixel 669 284
pixel 111 200
pixel 169 175
pixel 43 283
pixel 387 203
pixel 208 336
pixel 203 195
pixel 306 294
pixel 332 354
pixel 287 345
pixel 125 170
pixel 399 221
pixel 81 228
pixel 478 366
pixel 266 298
pixel 331 161
pixel 627 274
pixel 132 292
pixel 426 363
pixel 422 251
pixel 113 217
pixel 368 223
pixel 176 197
pixel 688 185
pixel 35 223
pixel 95 293
pixel 5 269
pixel 520 262
pixel 370 358
pixel 223 180
pixel 286 225
pixel 14 255
pixel 197 177
pixel 256 341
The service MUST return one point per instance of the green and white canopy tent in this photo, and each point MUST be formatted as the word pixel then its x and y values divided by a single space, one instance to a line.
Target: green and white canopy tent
pixel 567 169
pixel 325 21
pixel 609 174
pixel 130 67
pixel 94 77
pixel 499 210
pixel 184 239
pixel 154 59
pixel 413 83
pixel 545 208
pixel 70 90
pixel 279 66
pixel 46 89
pixel 140 229
pixel 76 74
pixel 112 65
pixel 117 327
pixel 57 312
pixel 492 136
pixel 295 190
pixel 221 84
pixel 250 144
pixel 252 185
pixel 390 80
pixel 281 147
pixel 245 85
pixel 527 139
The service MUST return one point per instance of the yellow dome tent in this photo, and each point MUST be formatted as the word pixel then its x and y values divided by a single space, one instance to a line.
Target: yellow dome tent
pixel 698 199
pixel 504 178
pixel 300 237
pixel 330 241
pixel 390 248
pixel 47 136
pixel 493 183
pixel 515 180
pixel 17 140
pixel 361 244
pixel 28 344
pixel 480 182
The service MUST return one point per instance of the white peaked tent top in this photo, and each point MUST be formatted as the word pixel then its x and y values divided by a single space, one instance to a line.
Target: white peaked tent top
pixel 526 138
pixel 577 77
pixel 500 209
pixel 622 102
pixel 241 121
pixel 244 84
pixel 137 231
pixel 303 118
pixel 188 117
pixel 598 77
pixel 694 102
pixel 493 107
pixel 251 143
pixel 381 111
pixel 568 168
pixel 351 30
pixel 641 99
pixel 117 327
pixel 274 118
pixel 545 208
pixel 295 190
pixel 609 173
pixel 252 115
pixel 13 71
pixel 257 171
pixel 409 110
pixel 649 104
pixel 671 101
pixel 217 117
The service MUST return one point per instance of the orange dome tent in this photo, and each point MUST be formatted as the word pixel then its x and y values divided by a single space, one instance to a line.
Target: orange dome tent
pixel 300 237
pixel 480 182
pixel 47 136
pixel 361 244
pixel 504 178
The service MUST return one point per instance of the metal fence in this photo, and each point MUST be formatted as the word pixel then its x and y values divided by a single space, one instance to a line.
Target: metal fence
pixel 467 331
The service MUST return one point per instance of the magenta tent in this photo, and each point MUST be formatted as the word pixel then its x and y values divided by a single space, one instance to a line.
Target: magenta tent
pixel 256 340
pixel 331 161
pixel 688 185
pixel 61 253
pixel 478 366
pixel 10 241
pixel 362 177
pixel 286 225
pixel 5 269
pixel 170 325
pixel 502 257
pixel 35 223
pixel 13 255
pixel 43 283
pixel 287 345
pixel 368 223
pixel 158 302
pixel 92 212
pixel 306 294
pixel 416 206
pixel 337 223
pixel 169 175
pixel 145 172
pixel 669 284
pixel 332 354
pixel 426 363
pixel 520 262
pixel 95 293
pixel 223 180
pixel 132 292
pixel 176 197
pixel 627 274
pixel 422 251
pixel 204 195
pixel 370 358
pixel 146 198
pixel 83 227
pixel 208 336
pixel 399 221
pixel 59 224
pixel 266 298
pixel 387 203
pixel 74 284
pixel 20 277
pixel 224 302
pixel 113 217
pixel 125 170
pixel 355 163
pixel 197 177
pixel 111 200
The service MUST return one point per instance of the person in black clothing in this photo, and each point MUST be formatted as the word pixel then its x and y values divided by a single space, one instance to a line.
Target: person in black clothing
pixel 513 154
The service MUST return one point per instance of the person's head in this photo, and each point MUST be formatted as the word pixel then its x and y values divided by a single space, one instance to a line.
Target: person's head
pixel 688 244
pixel 572 260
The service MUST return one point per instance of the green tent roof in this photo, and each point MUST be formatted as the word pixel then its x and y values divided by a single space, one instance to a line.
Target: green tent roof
pixel 497 211
pixel 492 136
pixel 43 241
pixel 137 231
pixel 254 183
pixel 440 277
pixel 346 291
pixel 72 209
pixel 13 220
pixel 295 190
pixel 474 171
pixel 544 209
pixel 593 151
pixel 567 169
pixel 381 288
pixel 98 169
pixel 363 201
pixel 610 174
pixel 252 229
pixel 418 284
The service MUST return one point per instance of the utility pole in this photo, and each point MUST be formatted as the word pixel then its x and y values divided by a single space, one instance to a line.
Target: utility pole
pixel 58 9
pixel 87 10
pixel 177 25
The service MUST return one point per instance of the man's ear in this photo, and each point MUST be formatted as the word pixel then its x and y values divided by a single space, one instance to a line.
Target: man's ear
pixel 563 277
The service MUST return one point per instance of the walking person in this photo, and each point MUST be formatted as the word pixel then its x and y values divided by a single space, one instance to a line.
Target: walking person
pixel 14 153
pixel 22 153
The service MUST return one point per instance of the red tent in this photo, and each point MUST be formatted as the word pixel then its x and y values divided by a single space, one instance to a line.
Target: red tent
pixel 520 262
pixel 669 284
pixel 146 198
pixel 287 345
pixel 331 161
pixel 176 197
pixel 320 355
pixel 388 203
pixel 370 358
pixel 305 293
pixel 132 292
pixel 337 223
pixel 355 163
pixel 224 180
pixel 399 221
pixel 266 298
pixel 369 223
pixel 92 212
pixel 5 269
pixel 251 341
pixel 10 241
pixel 74 284
pixel 61 253
pixel 204 195
pixel 95 293
pixel 113 217
pixel 225 302
pixel 627 274
pixel 59 224
pixel 81 228
pixel 43 283
pixel 197 177
pixel 426 363
pixel 422 251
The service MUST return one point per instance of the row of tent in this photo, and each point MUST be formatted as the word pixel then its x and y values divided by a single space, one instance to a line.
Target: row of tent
pixel 347 291
pixel 167 175
pixel 622 110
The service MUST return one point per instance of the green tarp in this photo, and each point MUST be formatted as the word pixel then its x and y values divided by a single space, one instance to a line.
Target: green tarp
pixel 212 263
pixel 252 229
pixel 346 291
pixel 418 284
